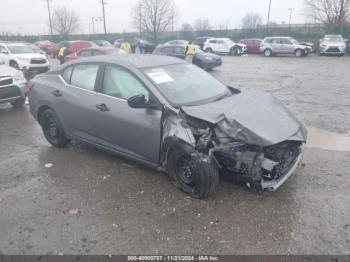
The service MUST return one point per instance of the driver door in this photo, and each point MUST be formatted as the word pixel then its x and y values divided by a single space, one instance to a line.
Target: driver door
pixel 134 132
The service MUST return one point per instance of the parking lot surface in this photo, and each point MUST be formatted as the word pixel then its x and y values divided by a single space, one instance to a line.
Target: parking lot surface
pixel 81 200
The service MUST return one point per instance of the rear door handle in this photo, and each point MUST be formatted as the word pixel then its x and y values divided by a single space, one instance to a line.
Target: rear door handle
pixel 102 108
pixel 57 93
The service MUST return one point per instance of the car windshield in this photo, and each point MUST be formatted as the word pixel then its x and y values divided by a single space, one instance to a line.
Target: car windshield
pixel 333 39
pixel 185 84
pixel 20 49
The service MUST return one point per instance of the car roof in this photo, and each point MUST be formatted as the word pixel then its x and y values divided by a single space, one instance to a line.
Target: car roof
pixel 138 61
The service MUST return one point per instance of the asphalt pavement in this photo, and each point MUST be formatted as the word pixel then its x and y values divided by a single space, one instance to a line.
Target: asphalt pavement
pixel 80 200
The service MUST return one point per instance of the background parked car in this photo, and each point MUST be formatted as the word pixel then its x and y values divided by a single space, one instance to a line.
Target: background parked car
pixel 206 61
pixel 94 51
pixel 48 47
pixel 282 45
pixel 310 46
pixel 75 46
pixel 177 42
pixel 253 45
pixel 103 43
pixel 201 40
pixel 224 46
pixel 36 49
pixel 333 45
pixel 20 56
pixel 12 85
pixel 145 46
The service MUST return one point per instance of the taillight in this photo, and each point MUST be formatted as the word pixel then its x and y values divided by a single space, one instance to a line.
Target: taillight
pixel 29 86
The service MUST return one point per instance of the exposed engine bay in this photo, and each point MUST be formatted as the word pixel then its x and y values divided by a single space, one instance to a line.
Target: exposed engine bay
pixel 248 163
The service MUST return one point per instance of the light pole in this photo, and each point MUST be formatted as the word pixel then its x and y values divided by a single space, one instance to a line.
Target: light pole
pixel 268 14
pixel 290 16
pixel 140 10
pixel 95 19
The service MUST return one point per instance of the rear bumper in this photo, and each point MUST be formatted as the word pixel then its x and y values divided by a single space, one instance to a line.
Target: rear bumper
pixel 12 93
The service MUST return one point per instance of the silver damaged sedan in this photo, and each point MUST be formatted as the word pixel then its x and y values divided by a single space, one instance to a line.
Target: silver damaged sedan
pixel 172 116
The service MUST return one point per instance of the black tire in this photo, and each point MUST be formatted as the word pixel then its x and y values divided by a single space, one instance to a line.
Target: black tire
pixel 53 129
pixel 236 51
pixel 267 52
pixel 209 50
pixel 191 174
pixel 18 103
pixel 299 53
pixel 14 64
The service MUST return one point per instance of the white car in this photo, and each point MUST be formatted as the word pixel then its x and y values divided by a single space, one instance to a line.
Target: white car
pixel 333 45
pixel 12 85
pixel 224 46
pixel 20 56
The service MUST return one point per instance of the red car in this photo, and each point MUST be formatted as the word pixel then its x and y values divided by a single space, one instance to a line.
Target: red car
pixel 77 45
pixel 253 45
pixel 94 51
pixel 48 47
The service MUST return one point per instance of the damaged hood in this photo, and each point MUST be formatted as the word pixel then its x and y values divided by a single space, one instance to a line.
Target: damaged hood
pixel 251 117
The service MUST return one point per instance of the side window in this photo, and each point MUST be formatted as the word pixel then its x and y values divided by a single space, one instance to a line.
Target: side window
pixel 120 83
pixel 67 73
pixel 168 50
pixel 84 76
pixel 2 49
pixel 96 53
pixel 179 51
pixel 212 41
pixel 285 41
pixel 275 41
pixel 220 42
pixel 85 53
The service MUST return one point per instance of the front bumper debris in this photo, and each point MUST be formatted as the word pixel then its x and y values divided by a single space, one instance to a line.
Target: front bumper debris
pixel 274 185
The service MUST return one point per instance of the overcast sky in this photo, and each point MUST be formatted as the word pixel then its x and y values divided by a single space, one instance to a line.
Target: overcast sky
pixel 31 16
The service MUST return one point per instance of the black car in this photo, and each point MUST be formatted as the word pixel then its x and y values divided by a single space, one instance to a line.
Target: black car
pixel 200 41
pixel 145 46
pixel 206 61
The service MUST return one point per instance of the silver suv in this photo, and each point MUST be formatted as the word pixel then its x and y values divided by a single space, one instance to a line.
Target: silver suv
pixel 282 45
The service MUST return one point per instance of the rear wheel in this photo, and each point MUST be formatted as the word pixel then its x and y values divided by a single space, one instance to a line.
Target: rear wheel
pixel 268 53
pixel 191 174
pixel 299 53
pixel 209 50
pixel 18 103
pixel 53 129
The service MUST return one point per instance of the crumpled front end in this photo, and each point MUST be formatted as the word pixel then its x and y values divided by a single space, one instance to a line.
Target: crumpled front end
pixel 256 142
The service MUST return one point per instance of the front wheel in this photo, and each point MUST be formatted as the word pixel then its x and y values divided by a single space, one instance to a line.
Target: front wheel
pixel 53 129
pixel 268 53
pixel 191 174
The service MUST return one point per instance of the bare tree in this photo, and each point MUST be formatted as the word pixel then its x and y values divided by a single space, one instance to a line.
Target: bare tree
pixel 331 12
pixel 251 21
pixel 154 16
pixel 202 25
pixel 65 21
pixel 186 27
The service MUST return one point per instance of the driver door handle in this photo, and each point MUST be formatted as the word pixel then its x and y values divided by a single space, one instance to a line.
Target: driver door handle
pixel 57 93
pixel 102 108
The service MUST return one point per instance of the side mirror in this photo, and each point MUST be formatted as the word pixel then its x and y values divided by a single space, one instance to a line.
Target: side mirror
pixel 139 101
pixel 4 52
